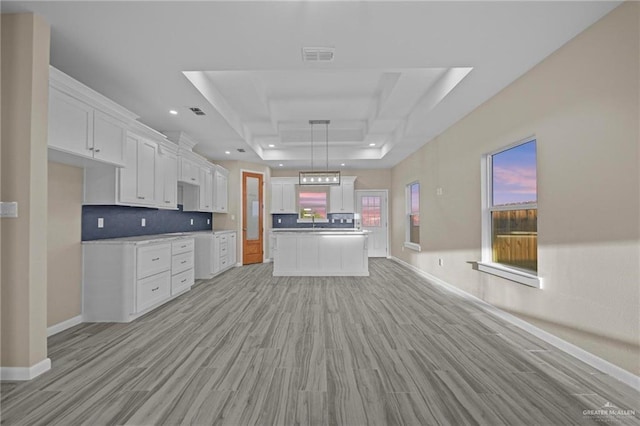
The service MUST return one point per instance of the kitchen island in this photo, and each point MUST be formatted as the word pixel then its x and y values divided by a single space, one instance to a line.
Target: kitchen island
pixel 320 252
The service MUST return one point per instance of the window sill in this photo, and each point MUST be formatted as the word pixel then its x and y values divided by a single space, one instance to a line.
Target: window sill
pixel 513 274
pixel 312 221
pixel 412 246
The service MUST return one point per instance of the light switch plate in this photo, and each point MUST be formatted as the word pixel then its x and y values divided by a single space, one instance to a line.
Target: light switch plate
pixel 9 209
pixel 192 221
pixel 100 222
pixel 208 221
pixel 143 222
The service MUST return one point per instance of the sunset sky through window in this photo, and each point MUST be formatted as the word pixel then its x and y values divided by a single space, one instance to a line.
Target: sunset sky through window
pixel 514 175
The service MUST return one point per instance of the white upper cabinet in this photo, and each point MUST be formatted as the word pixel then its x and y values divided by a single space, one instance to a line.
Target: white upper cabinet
pixel 206 189
pixel 167 180
pixel 220 190
pixel 84 125
pixel 108 138
pixel 342 197
pixel 70 124
pixel 199 198
pixel 148 177
pixel 283 195
pixel 189 171
pixel 137 180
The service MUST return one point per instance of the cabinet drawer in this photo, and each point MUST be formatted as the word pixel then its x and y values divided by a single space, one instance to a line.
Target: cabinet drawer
pixel 152 290
pixel 182 246
pixel 181 262
pixel 224 262
pixel 153 259
pixel 182 281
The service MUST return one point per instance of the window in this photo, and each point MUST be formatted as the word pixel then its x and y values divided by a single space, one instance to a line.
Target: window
pixel 371 211
pixel 510 223
pixel 312 203
pixel 412 235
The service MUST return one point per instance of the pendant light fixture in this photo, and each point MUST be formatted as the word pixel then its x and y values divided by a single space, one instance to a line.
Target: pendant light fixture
pixel 317 177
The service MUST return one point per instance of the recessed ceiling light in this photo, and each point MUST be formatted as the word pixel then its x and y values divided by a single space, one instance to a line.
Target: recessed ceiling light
pixel 227 152
pixel 372 144
pixel 280 165
pixel 173 112
pixel 342 165
pixel 271 145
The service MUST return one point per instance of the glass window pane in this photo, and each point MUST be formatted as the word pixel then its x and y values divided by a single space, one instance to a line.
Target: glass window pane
pixel 371 211
pixel 253 209
pixel 514 239
pixel 414 213
pixel 312 204
pixel 415 199
pixel 514 175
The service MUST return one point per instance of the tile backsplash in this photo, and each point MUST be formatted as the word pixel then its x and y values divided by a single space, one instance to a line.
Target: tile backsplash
pixel 124 221
pixel 336 220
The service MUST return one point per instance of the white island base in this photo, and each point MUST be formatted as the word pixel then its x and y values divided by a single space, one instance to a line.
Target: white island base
pixel 315 253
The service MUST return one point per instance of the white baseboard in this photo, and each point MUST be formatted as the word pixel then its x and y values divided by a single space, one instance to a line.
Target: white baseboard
pixel 62 326
pixel 25 373
pixel 587 357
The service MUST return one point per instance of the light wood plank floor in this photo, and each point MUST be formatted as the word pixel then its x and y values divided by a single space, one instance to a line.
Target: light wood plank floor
pixel 247 348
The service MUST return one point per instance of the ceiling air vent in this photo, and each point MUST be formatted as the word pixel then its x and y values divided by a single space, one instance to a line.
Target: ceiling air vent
pixel 197 111
pixel 317 54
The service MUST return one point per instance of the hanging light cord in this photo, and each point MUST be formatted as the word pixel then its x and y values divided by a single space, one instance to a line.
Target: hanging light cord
pixel 327 144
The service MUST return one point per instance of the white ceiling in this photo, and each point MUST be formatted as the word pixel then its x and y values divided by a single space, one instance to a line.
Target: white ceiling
pixel 403 72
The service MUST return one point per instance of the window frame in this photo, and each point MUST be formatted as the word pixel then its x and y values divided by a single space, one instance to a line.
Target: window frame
pixel 407 222
pixel 318 189
pixel 486 264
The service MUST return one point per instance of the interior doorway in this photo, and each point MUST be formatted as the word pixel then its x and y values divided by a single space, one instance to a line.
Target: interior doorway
pixel 252 217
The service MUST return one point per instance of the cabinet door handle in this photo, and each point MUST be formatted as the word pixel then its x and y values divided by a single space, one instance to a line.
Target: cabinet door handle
pixel 96 150
pixel 193 178
pixel 167 201
pixel 155 258
pixel 91 149
pixel 183 262
pixel 183 246
pixel 154 289
pixel 184 281
pixel 140 198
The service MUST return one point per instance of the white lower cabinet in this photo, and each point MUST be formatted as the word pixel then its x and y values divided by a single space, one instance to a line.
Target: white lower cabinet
pixel 182 281
pixel 125 278
pixel 215 253
pixel 152 290
pixel 320 253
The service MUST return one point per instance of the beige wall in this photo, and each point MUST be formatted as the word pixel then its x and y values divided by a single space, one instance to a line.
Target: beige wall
pixel 25 80
pixel 582 105
pixel 64 259
pixel 233 219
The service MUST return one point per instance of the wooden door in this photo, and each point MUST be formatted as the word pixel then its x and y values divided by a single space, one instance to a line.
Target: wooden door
pixel 252 211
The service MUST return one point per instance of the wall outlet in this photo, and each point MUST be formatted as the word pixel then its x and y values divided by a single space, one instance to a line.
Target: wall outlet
pixel 349 220
pixel 9 209
pixel 440 262
pixel 192 221
pixel 279 220
pixel 100 222
pixel 143 222
pixel 208 221
pixel 439 191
